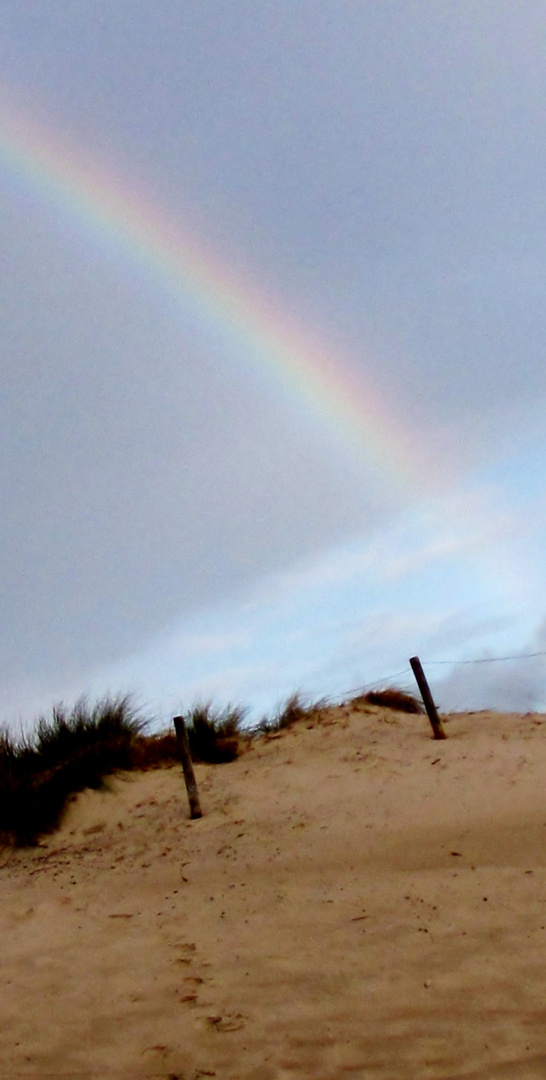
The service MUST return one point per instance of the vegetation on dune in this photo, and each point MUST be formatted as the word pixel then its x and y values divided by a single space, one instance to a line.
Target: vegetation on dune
pixel 154 751
pixel 71 751
pixel 78 748
pixel 294 710
pixel 214 734
pixel 391 698
pixel 297 708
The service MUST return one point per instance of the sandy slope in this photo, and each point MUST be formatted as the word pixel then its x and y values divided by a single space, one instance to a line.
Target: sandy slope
pixel 358 900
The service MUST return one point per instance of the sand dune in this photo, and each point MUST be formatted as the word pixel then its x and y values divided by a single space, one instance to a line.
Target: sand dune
pixel 358 900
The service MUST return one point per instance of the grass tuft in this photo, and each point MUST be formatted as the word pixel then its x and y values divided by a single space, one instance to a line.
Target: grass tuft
pixel 154 751
pixel 78 748
pixel 391 698
pixel 71 751
pixel 293 711
pixel 214 734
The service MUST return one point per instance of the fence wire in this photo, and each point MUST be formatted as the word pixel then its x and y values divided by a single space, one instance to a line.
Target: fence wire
pixel 487 659
pixel 385 679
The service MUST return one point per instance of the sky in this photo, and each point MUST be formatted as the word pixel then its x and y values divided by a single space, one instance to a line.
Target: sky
pixel 272 280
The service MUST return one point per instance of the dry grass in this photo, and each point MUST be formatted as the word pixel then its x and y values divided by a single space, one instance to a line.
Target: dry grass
pixel 154 751
pixel 391 698
pixel 296 709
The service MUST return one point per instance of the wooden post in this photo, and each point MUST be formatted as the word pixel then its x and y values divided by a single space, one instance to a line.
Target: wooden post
pixel 426 695
pixel 189 777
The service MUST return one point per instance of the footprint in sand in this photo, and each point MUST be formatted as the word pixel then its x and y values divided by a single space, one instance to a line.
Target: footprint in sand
pixel 187 950
pixel 188 995
pixel 228 1022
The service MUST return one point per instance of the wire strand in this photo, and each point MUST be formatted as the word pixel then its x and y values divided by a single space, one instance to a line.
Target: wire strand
pixel 488 659
pixel 378 682
pixel 429 663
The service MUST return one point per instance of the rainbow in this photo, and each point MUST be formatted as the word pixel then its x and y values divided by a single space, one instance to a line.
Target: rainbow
pixel 323 382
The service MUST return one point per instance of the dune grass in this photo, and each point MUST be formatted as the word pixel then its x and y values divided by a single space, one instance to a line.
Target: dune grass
pixel 154 751
pixel 68 752
pixel 79 748
pixel 214 734
pixel 296 709
pixel 391 698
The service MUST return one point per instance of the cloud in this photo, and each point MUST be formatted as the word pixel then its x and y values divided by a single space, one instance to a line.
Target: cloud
pixel 510 685
pixel 349 617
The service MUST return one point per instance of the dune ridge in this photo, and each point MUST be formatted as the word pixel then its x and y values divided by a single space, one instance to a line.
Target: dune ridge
pixel 357 900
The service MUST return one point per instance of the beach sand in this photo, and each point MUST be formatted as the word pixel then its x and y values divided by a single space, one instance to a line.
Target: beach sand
pixel 358 900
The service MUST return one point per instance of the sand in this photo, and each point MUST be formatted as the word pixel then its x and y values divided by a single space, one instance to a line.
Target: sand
pixel 357 900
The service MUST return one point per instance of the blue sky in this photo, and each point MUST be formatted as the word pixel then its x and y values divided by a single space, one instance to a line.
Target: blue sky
pixel 173 522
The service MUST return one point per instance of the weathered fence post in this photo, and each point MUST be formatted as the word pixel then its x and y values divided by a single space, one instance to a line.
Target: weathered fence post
pixel 426 695
pixel 185 757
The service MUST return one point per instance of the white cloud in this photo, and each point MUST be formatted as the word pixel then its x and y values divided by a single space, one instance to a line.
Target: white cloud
pixel 354 615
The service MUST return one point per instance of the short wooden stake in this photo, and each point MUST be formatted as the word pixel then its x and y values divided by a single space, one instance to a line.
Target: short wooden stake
pixel 185 757
pixel 428 701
